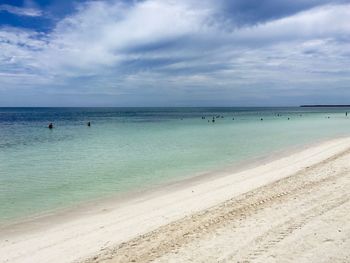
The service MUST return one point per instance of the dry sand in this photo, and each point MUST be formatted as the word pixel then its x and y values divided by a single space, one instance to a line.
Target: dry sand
pixel 295 209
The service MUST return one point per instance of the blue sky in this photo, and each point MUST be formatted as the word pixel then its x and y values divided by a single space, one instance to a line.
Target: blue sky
pixel 174 53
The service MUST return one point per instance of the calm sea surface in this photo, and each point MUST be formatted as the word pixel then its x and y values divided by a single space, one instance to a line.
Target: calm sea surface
pixel 128 149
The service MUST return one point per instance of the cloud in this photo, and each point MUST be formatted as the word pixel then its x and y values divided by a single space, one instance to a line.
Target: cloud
pixel 250 12
pixel 201 51
pixel 21 11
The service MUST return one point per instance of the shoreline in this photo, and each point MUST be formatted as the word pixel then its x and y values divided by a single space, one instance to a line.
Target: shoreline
pixel 99 225
pixel 74 210
pixel 300 218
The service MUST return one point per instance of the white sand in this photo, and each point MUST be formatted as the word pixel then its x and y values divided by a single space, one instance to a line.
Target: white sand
pixel 249 232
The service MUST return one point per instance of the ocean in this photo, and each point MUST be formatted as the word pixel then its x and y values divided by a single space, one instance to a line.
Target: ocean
pixel 132 149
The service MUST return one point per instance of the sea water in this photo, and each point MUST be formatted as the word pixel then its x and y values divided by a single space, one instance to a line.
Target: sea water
pixel 128 149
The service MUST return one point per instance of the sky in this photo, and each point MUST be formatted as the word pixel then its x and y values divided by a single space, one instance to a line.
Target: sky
pixel 174 52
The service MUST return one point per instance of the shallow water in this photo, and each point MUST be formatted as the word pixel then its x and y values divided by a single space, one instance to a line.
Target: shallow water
pixel 127 149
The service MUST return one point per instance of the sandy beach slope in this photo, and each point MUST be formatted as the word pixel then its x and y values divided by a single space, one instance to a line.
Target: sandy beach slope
pixel 294 209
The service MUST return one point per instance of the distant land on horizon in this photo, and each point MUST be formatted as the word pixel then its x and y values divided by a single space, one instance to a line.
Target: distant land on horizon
pixel 325 106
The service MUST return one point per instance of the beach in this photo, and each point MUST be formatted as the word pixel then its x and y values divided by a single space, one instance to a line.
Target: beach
pixel 174 131
pixel 289 209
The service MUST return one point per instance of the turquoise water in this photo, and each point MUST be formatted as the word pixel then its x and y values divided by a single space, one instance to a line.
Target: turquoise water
pixel 128 149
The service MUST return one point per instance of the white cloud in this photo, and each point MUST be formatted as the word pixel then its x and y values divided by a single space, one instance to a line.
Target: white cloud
pixel 21 11
pixel 99 33
pixel 106 46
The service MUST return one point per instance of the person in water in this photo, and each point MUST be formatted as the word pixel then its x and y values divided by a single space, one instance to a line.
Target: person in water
pixel 88 124
pixel 50 125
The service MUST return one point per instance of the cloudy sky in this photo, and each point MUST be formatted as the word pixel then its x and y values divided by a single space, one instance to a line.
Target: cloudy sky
pixel 174 52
